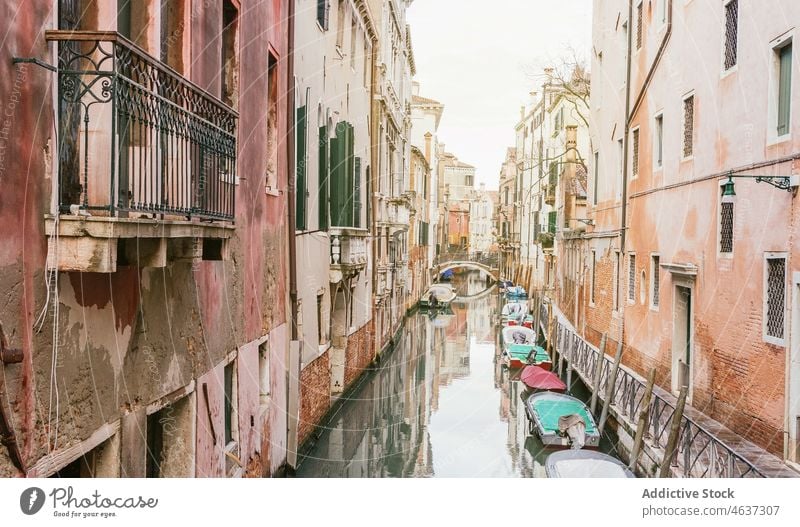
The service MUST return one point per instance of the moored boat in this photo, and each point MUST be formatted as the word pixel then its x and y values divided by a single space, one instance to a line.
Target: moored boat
pixel 561 421
pixel 585 464
pixel 539 379
pixel 520 349
pixel 516 292
pixel 438 296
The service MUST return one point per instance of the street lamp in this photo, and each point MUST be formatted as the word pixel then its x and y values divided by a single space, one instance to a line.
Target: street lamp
pixel 787 183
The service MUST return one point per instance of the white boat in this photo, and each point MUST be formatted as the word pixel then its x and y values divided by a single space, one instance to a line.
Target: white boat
pixel 438 295
pixel 585 464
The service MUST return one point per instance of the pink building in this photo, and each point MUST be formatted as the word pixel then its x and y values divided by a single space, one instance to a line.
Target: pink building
pixel 696 282
pixel 144 327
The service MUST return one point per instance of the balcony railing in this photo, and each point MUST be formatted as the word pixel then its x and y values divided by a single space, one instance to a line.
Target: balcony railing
pixel 136 136
pixel 349 247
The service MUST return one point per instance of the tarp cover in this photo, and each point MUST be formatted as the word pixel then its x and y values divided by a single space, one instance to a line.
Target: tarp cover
pixel 540 379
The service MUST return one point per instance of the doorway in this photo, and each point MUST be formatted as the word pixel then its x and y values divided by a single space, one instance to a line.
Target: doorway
pixel 682 339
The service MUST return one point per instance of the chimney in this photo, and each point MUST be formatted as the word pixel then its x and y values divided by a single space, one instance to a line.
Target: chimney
pixel 548 72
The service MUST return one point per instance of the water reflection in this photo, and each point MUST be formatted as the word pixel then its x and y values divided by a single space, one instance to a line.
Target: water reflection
pixel 441 404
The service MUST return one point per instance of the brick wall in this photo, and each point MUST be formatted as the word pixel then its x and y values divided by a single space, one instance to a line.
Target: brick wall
pixel 359 353
pixel 599 317
pixel 315 394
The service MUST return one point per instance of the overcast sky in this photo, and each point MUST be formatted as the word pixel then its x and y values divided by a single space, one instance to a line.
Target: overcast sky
pixel 477 57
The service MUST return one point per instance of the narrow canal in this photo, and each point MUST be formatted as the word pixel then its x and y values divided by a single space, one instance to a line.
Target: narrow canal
pixel 442 404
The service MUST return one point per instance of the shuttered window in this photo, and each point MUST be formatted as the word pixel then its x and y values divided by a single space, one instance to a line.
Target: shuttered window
pixel 655 274
pixel 632 278
pixel 324 175
pixel 342 178
pixel 551 222
pixel 635 168
pixel 639 23
pixel 301 182
pixel 726 228
pixel 785 89
pixel 357 193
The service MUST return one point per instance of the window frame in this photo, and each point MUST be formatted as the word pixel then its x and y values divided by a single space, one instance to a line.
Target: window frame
pixel 655 280
pixel 593 279
pixel 636 151
pixel 630 290
pixel 735 67
pixel 786 293
pixel 658 141
pixel 686 97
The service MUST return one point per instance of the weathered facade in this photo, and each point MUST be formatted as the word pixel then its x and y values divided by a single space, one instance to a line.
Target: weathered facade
pixel 391 155
pixel 333 65
pixel 690 260
pixel 506 217
pixel 144 264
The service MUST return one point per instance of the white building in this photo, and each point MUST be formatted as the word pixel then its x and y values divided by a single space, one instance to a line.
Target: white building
pixel 481 220
pixel 333 50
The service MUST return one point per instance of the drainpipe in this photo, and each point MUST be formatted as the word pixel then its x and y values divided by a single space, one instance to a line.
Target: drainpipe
pixel 290 142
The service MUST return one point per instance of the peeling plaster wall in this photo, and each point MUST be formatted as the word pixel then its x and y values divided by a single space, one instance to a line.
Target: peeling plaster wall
pixel 129 338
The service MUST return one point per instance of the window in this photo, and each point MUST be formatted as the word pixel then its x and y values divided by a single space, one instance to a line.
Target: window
pixel 551 221
pixel 356 192
pixel 620 157
pixel 592 276
pixel 726 228
pixel 340 26
pixel 263 376
pixel 229 54
pixel 784 89
pixel 324 171
pixel 658 136
pixel 688 126
pixel 468 181
pixel 353 39
pixel 631 278
pixel 635 164
pixel 662 11
pixel 655 277
pixel 272 125
pixel 323 13
pixel 300 182
pixel 322 329
pixel 229 379
pixel 639 22
pixel 775 299
pixel 731 33
pixel 596 177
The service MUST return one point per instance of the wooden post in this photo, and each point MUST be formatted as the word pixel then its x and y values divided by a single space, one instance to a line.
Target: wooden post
pixel 644 415
pixel 598 370
pixel 570 356
pixel 612 381
pixel 674 432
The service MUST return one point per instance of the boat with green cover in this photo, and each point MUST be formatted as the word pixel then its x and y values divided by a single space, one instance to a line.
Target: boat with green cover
pixel 561 421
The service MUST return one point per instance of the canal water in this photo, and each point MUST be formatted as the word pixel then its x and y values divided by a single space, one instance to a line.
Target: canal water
pixel 441 404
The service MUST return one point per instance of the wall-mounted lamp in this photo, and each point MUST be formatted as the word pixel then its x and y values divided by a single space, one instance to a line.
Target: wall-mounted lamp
pixel 787 183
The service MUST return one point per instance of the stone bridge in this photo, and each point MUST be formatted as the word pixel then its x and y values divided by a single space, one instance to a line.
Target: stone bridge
pixel 488 263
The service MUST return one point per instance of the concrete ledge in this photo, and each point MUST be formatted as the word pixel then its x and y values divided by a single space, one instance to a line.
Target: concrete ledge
pixel 111 227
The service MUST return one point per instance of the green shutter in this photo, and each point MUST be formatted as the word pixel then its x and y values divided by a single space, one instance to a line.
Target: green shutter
pixel 350 177
pixel 300 184
pixel 551 222
pixel 323 177
pixel 338 179
pixel 357 194
pixel 785 90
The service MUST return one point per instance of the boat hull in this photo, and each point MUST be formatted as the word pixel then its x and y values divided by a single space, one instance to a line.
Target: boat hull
pixel 543 410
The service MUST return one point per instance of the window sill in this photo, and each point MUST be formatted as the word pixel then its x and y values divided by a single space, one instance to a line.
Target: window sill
pixel 778 140
pixel 774 341
pixel 727 73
